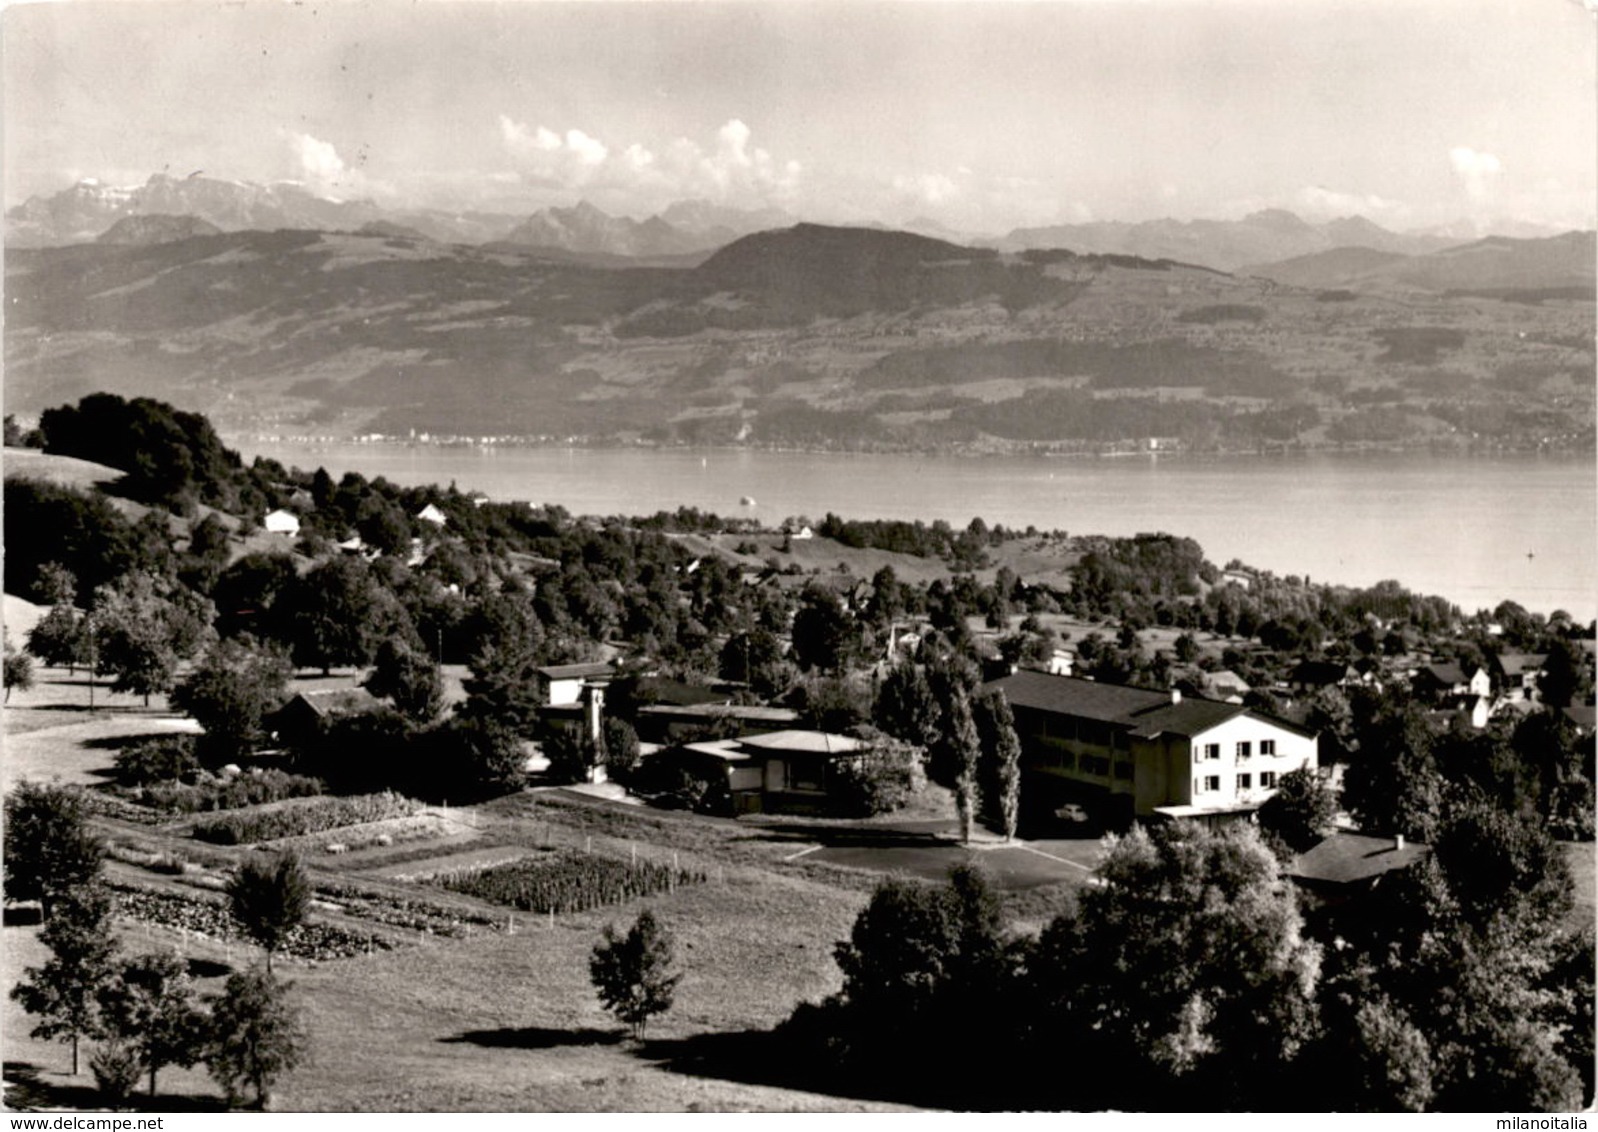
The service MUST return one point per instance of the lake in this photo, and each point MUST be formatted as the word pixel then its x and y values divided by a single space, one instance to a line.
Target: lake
pixel 1476 530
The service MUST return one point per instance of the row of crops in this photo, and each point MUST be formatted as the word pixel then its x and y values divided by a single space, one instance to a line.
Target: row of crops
pixel 566 880
pixel 296 819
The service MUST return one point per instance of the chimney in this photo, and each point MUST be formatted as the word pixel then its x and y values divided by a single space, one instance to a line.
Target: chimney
pixel 1398 843
pixel 1176 695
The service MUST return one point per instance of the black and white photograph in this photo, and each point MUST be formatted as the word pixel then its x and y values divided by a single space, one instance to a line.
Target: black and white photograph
pixel 799 556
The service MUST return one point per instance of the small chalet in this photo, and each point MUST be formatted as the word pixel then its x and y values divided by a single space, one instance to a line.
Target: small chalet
pixel 1517 674
pixel 431 514
pixel 281 522
pixel 1346 866
pixel 1313 675
pixel 1441 683
pixel 307 712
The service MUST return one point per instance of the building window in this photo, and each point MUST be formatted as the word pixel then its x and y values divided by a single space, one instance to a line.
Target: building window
pixel 1245 782
pixel 1244 750
pixel 1268 780
pixel 1212 782
pixel 1123 771
pixel 1267 746
pixel 806 776
pixel 1212 750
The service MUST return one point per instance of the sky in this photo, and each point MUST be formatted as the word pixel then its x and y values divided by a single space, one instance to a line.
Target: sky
pixel 979 116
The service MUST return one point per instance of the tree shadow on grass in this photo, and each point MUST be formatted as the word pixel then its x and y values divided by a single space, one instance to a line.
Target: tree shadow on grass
pixel 26 1091
pixel 766 1057
pixel 538 1037
pixel 121 742
pixel 851 837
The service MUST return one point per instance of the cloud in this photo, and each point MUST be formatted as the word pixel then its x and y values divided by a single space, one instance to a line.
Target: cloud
pixel 1476 170
pixel 729 170
pixel 929 189
pixel 1319 201
pixel 318 165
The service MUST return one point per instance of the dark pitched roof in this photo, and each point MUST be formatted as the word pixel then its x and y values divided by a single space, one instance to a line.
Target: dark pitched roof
pixel 1520 663
pixel 1447 674
pixel 1148 713
pixel 1189 717
pixel 575 671
pixel 1345 858
pixel 1582 715
pixel 1320 672
pixel 337 701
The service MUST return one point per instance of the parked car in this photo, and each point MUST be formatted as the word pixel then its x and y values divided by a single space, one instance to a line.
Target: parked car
pixel 1071 812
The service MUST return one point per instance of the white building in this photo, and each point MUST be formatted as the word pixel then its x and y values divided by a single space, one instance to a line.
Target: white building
pixel 1136 753
pixel 281 522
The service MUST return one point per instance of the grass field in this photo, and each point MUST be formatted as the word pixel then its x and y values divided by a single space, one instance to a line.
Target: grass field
pixel 475 1007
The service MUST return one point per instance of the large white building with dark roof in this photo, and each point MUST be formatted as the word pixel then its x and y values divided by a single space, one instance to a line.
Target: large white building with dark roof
pixel 1136 753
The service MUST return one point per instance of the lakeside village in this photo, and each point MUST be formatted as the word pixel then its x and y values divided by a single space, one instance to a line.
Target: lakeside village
pixel 1268 843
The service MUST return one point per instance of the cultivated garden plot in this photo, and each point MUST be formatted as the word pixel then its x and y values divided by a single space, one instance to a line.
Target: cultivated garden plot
pixel 565 880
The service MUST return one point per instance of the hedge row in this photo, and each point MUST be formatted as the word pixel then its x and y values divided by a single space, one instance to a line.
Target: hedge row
pixel 293 820
pixel 250 789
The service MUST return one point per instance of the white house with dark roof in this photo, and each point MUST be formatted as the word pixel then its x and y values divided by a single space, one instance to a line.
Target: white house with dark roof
pixel 560 684
pixel 1136 753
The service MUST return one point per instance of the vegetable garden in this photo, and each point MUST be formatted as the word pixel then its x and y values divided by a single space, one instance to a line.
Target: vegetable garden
pixel 566 880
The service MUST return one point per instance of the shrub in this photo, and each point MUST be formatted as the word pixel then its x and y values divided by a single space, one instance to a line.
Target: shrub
pixel 877 781
pixel 315 816
pixel 116 1067
pixel 164 758
pixel 252 789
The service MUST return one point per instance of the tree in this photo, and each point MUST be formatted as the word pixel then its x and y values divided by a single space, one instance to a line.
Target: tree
pixel 18 671
pixel 339 614
pixel 755 657
pixel 1186 963
pixel 621 747
pixel 824 635
pixel 152 1007
pixel 230 693
pixel 58 638
pixel 409 678
pixel 49 851
pixel 1564 674
pixel 905 707
pixel 269 898
pixel 632 972
pixel 143 628
pixel 64 991
pixel 1001 760
pixel 957 751
pixel 1393 785
pixel 255 1036
pixel 1301 812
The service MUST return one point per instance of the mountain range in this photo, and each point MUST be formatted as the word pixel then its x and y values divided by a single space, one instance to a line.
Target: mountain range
pixel 685 231
pixel 813 336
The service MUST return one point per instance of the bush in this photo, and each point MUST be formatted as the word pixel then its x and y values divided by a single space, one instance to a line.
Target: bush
pixel 116 1067
pixel 164 758
pixel 878 781
pixel 316 816
pixel 252 789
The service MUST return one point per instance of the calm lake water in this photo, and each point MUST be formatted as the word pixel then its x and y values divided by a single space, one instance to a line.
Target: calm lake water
pixel 1477 530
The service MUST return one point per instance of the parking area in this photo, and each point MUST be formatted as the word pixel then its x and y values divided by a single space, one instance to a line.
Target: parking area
pixel 1013 866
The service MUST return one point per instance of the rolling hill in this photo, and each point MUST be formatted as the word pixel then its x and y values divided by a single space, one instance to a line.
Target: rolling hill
pixel 809 336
